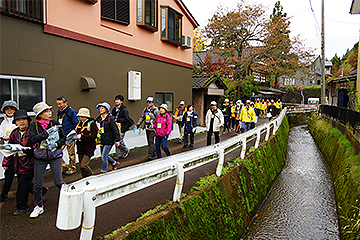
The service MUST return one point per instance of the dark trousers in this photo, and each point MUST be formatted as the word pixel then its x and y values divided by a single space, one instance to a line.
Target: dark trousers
pixel 150 136
pixel 209 135
pixel 39 173
pixel 186 140
pixel 227 124
pixel 9 177
pixel 233 122
pixel 25 186
pixel 161 141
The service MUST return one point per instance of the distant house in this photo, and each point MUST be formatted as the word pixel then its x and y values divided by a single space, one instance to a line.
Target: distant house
pixel 206 88
pixel 339 88
pixel 91 50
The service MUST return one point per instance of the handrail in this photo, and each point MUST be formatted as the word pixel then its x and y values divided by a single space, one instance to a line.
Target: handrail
pixel 84 195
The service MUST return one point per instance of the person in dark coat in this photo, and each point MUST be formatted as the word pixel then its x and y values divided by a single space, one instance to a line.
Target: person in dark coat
pixel 109 133
pixel 190 121
pixel 86 131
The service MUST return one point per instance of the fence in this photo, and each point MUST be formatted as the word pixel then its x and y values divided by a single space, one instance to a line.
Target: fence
pixel 85 195
pixel 344 115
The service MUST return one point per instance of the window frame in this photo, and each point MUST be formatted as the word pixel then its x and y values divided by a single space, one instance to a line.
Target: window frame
pixel 115 19
pixel 30 10
pixel 163 100
pixel 165 24
pixel 14 84
pixel 141 15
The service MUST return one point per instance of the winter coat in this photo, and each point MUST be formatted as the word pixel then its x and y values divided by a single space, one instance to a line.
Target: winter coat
pixel 226 110
pixel 110 131
pixel 67 118
pixel 121 115
pixel 273 110
pixel 247 114
pixel 38 134
pixel 88 131
pixel 278 105
pixel 190 121
pixel 6 127
pixel 218 119
pixel 22 164
pixel 162 125
pixel 148 117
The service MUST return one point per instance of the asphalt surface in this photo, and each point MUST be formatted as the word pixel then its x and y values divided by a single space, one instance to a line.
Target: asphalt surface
pixel 110 216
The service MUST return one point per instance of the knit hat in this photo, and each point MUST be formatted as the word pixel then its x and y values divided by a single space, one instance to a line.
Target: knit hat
pixel 105 105
pixel 84 112
pixel 164 106
pixel 9 103
pixel 21 114
pixel 40 107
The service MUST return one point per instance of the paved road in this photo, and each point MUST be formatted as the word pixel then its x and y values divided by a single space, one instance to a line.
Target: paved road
pixel 109 216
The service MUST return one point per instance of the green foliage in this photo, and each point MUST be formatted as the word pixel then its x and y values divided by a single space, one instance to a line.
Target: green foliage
pixel 248 86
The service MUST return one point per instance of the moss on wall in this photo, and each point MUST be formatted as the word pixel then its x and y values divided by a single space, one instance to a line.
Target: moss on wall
pixel 346 173
pixel 222 210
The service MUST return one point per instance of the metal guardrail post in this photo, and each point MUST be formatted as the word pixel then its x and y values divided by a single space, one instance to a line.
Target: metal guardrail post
pixel 274 128
pixel 267 132
pixel 221 161
pixel 258 134
pixel 243 150
pixel 179 181
pixel 89 214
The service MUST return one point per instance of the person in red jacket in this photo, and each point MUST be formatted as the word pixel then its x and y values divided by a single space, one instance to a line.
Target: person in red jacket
pixel 22 162
pixel 162 126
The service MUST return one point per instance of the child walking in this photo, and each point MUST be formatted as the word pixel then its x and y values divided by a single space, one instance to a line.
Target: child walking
pixel 190 121
pixel 48 137
pixel 109 135
pixel 162 126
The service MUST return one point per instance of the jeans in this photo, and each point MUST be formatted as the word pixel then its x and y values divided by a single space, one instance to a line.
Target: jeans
pixel 122 149
pixel 105 158
pixel 39 173
pixel 246 125
pixel 161 141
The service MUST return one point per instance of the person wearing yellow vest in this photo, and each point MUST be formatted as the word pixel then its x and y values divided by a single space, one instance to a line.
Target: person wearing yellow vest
pixel 263 108
pixel 247 116
pixel 178 115
pixel 257 106
pixel 278 104
pixel 232 115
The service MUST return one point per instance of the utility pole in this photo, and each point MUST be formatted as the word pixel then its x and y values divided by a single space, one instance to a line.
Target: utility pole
pixel 322 54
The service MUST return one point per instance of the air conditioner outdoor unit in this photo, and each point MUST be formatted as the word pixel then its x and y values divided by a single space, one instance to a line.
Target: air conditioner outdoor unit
pixel 134 85
pixel 186 41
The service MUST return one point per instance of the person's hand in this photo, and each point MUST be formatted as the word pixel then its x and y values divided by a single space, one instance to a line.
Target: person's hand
pixel 6 138
pixel 166 136
pixel 77 137
pixel 117 144
pixel 5 168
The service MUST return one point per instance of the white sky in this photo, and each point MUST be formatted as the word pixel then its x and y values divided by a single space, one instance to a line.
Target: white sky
pixel 341 28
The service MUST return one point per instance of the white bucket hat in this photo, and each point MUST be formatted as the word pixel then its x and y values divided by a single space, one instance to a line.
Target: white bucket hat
pixel 40 107
pixel 164 106
pixel 84 112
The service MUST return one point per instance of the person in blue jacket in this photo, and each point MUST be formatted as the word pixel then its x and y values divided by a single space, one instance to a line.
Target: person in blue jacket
pixel 190 121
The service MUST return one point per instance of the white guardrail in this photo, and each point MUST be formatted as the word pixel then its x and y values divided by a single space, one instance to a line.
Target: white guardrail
pixel 85 195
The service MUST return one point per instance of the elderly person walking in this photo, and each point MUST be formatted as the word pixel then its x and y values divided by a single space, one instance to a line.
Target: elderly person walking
pixel 162 125
pixel 214 120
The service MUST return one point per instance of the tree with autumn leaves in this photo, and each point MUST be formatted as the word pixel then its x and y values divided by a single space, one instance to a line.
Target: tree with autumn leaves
pixel 246 39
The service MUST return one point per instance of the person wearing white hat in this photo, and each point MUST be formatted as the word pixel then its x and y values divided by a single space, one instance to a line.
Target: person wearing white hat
pixel 272 110
pixel 109 134
pixel 86 131
pixel 162 126
pixel 48 137
pixel 226 110
pixel 178 115
pixel 214 120
pixel 237 118
pixel 147 117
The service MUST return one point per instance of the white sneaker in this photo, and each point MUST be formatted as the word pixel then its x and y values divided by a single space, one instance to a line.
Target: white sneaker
pixel 36 212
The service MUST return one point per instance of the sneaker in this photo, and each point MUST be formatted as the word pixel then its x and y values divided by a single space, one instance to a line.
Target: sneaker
pixel 102 172
pixel 114 167
pixel 65 170
pixel 36 212
pixel 20 211
pixel 44 191
pixel 191 146
pixel 185 146
pixel 126 154
pixel 70 172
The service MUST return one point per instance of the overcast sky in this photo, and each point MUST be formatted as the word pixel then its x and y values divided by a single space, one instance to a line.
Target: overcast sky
pixel 341 28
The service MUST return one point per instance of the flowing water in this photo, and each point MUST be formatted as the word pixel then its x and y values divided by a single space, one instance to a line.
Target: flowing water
pixel 301 203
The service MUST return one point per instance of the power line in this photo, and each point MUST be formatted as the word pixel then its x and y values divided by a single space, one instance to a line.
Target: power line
pixel 316 23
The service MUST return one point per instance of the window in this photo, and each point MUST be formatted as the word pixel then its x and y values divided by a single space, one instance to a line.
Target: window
pixel 171 22
pixel 147 14
pixel 30 10
pixel 116 10
pixel 26 91
pixel 166 98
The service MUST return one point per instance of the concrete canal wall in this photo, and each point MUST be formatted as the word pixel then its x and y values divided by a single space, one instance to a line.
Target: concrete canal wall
pixel 223 209
pixel 344 160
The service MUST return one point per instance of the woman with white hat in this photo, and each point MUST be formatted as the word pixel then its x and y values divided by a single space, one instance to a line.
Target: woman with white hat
pixel 48 137
pixel 86 131
pixel 162 126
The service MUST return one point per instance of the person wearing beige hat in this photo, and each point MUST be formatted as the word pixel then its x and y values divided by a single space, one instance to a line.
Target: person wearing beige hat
pixel 48 137
pixel 178 115
pixel 86 131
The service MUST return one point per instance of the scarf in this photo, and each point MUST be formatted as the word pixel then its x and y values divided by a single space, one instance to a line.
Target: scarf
pixel 44 123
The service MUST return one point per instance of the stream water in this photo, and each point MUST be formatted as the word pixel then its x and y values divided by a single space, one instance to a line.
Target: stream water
pixel 301 203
